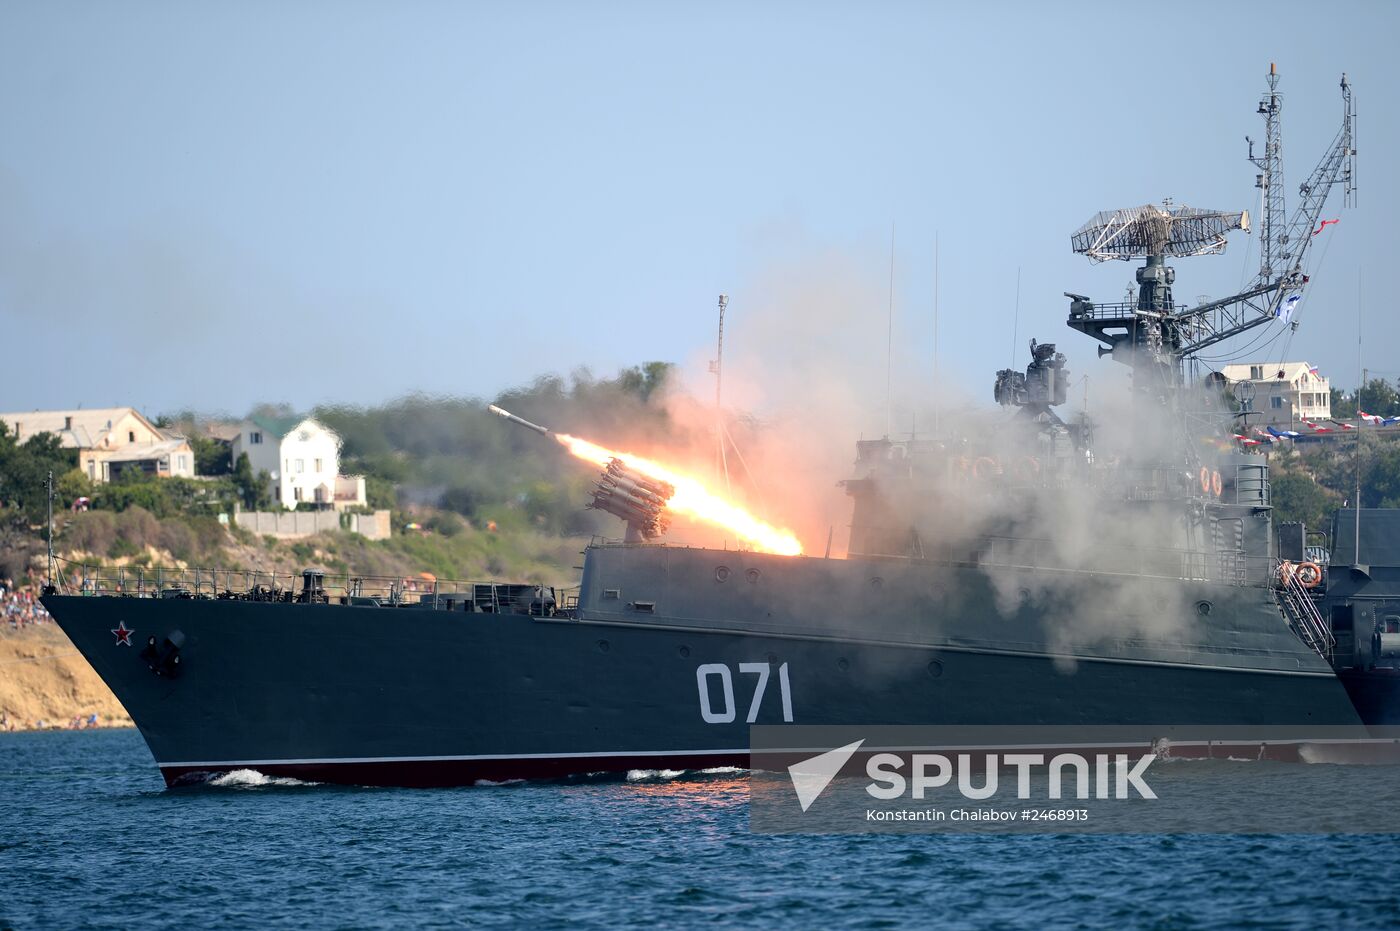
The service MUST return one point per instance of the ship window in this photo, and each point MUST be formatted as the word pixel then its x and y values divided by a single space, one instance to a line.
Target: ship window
pixel 612 593
pixel 645 607
pixel 1392 624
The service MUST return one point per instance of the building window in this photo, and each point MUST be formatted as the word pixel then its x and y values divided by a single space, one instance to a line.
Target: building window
pixel 296 492
pixel 301 465
pixel 1256 372
pixel 180 462
pixel 1276 402
pixel 68 423
pixel 254 438
pixel 318 465
pixel 131 436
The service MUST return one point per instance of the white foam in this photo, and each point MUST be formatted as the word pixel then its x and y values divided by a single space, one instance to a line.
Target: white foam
pixel 653 775
pixel 487 783
pixel 252 779
pixel 723 770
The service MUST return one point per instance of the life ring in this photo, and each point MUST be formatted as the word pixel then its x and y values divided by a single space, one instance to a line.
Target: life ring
pixel 1026 468
pixel 1215 484
pixel 1286 571
pixel 1309 574
pixel 990 463
pixel 1205 480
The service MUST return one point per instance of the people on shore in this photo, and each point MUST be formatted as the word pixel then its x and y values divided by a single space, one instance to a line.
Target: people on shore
pixel 20 607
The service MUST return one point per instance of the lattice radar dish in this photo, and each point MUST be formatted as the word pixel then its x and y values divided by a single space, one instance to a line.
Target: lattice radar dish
pixel 1168 230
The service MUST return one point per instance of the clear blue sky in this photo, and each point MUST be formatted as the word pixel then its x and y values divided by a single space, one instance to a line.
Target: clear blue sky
pixel 210 205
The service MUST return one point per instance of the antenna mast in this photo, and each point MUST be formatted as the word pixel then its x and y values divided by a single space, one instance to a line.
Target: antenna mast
pixel 718 368
pixel 1169 332
pixel 1270 180
pixel 48 485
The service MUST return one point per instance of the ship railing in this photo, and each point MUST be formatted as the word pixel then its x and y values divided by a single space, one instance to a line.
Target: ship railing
pixel 1301 611
pixel 338 588
pixel 1119 310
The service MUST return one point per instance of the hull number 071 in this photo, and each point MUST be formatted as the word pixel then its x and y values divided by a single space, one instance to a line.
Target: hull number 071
pixel 722 709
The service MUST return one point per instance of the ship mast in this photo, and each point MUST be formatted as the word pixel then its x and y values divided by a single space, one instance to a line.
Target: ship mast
pixel 1161 334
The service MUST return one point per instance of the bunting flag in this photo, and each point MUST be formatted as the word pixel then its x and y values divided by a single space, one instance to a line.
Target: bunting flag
pixel 1345 426
pixel 1376 419
pixel 1325 224
pixel 1285 310
pixel 1284 434
pixel 1316 429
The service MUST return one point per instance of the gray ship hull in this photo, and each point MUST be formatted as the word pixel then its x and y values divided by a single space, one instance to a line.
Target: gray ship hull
pixel 666 663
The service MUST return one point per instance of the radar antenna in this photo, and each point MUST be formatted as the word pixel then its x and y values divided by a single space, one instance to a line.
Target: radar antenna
pixel 1155 329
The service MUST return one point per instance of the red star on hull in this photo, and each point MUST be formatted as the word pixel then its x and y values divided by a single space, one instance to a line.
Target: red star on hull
pixel 122 634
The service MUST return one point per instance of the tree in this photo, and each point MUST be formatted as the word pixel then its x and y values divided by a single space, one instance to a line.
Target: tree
pixel 24 469
pixel 1296 497
pixel 210 456
pixel 1343 405
pixel 252 489
pixel 1379 397
pixel 70 486
pixel 644 380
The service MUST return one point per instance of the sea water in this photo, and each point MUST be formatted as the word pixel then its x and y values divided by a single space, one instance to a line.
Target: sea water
pixel 90 838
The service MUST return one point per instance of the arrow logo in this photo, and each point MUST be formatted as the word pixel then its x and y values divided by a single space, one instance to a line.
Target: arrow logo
pixel 810 777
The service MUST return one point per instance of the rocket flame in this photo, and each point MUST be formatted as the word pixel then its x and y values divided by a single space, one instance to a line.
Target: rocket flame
pixel 693 499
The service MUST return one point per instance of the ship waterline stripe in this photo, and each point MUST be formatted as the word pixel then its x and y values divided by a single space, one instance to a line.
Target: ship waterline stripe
pixel 600 754
pixel 1100 745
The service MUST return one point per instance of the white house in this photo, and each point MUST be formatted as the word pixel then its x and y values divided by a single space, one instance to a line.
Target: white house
pixel 109 440
pixel 1284 392
pixel 301 454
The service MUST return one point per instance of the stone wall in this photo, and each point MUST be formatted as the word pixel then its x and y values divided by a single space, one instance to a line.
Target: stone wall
pixel 291 525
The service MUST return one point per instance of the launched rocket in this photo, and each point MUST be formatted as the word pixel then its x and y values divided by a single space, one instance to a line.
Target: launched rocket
pixel 502 412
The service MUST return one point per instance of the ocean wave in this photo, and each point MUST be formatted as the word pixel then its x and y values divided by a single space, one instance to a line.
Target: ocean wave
pixel 251 779
pixel 653 775
pixel 667 775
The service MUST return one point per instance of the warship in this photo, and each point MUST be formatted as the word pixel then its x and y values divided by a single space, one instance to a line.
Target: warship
pixel 1034 574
